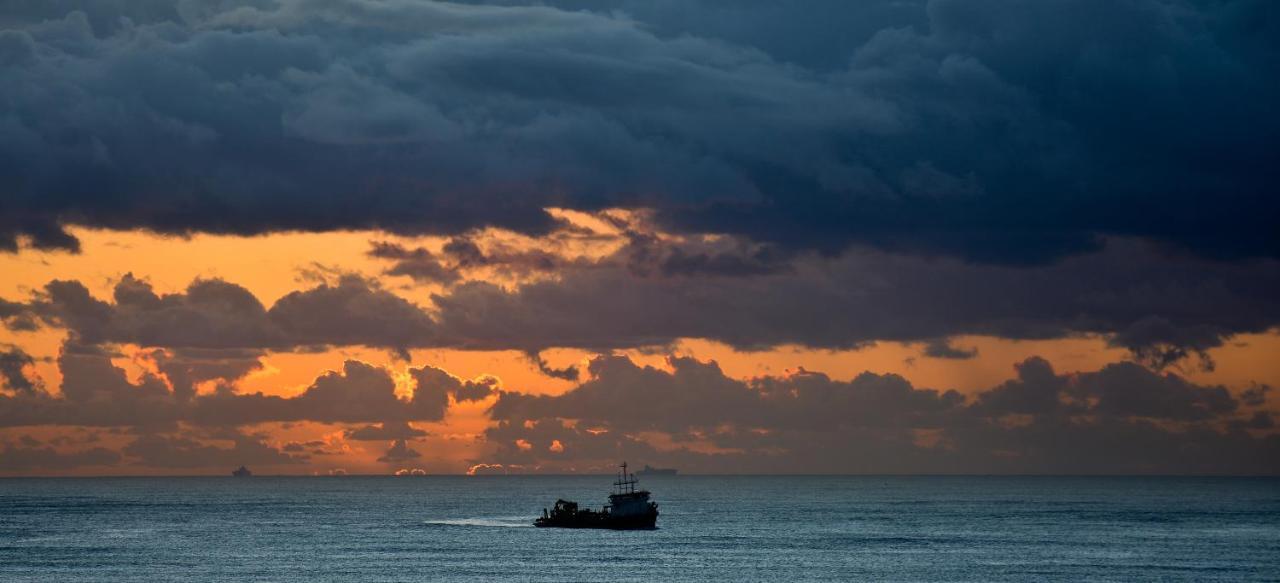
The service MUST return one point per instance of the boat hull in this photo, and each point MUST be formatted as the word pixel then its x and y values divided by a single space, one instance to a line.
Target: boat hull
pixel 647 521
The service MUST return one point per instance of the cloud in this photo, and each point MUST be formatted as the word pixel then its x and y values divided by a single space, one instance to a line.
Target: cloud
pixel 162 451
pixel 994 132
pixel 95 392
pixel 1161 307
pixel 698 396
pixel 1123 418
pixel 1141 298
pixel 399 452
pixel 213 314
pixel 354 311
pixel 13 459
pixel 184 368
pixel 417 263
pixel 12 362
pixel 568 373
pixel 385 432
pixel 942 348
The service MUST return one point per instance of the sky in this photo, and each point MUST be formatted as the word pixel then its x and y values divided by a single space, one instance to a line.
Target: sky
pixel 732 236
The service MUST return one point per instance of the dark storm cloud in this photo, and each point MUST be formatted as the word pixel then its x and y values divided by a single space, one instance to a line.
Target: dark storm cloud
pixel 646 255
pixel 996 131
pixel 1123 418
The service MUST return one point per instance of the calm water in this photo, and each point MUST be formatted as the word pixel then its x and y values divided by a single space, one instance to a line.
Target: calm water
pixel 711 528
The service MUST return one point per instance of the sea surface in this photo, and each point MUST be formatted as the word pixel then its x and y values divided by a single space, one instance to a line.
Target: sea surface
pixel 454 528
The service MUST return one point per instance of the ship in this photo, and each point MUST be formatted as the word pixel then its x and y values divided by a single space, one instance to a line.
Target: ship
pixel 628 509
pixel 241 472
pixel 652 471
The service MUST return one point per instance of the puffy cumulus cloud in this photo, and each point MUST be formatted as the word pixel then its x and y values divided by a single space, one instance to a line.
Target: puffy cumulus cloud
pixel 477 389
pixel 992 131
pixel 212 314
pixel 697 396
pixel 1123 418
pixel 353 311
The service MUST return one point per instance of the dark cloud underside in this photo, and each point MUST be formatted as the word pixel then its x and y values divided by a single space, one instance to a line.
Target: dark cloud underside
pixel 995 131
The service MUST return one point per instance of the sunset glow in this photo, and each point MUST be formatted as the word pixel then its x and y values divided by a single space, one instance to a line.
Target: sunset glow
pixel 318 238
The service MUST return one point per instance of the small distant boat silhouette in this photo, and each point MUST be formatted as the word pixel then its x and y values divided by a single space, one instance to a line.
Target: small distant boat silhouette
pixel 628 509
pixel 651 471
pixel 241 472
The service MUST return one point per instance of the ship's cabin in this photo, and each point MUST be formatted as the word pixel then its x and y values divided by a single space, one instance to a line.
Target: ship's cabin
pixel 629 503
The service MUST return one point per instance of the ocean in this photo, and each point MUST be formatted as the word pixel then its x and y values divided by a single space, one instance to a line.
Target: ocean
pixel 711 528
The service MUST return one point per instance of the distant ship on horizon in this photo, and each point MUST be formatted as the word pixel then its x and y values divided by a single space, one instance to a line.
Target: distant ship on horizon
pixel 241 472
pixel 652 471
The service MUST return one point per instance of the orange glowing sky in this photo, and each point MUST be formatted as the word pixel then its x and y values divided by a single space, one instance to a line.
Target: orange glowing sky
pixel 271 266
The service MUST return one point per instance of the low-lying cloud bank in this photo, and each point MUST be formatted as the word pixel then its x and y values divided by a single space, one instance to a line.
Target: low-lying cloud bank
pixel 96 393
pixel 1121 419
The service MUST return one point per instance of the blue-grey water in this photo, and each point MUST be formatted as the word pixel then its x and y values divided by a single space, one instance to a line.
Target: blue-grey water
pixel 711 529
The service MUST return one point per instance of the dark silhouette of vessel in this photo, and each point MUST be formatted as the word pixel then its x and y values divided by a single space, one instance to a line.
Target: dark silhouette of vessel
pixel 628 509
pixel 241 472
pixel 652 471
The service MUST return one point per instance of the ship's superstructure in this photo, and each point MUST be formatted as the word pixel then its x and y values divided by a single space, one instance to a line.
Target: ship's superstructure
pixel 628 508
pixel 241 472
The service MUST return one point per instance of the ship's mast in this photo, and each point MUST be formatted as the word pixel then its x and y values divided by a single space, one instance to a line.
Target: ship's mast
pixel 626 483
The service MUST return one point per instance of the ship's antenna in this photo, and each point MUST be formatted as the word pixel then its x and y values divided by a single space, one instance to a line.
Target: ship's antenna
pixel 626 482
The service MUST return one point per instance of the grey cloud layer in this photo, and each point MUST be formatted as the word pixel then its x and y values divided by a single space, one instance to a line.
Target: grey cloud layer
pixel 993 131
pixel 1121 419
